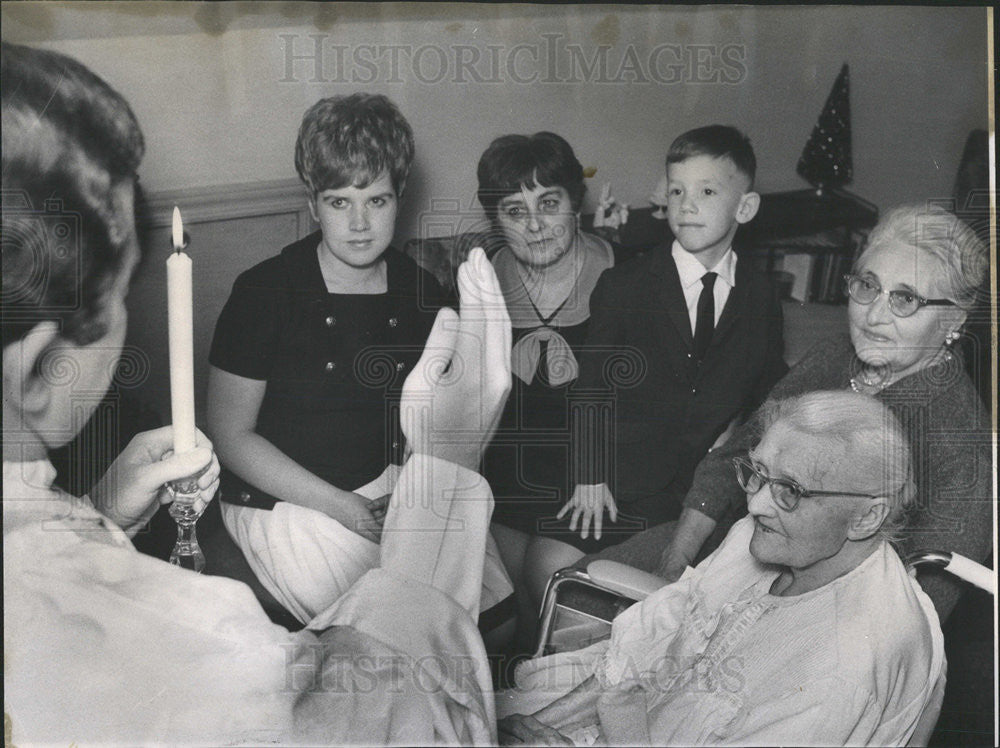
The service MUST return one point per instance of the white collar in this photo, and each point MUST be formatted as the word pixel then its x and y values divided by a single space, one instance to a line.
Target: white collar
pixel 690 269
pixel 28 495
pixel 595 256
pixel 29 499
pixel 27 481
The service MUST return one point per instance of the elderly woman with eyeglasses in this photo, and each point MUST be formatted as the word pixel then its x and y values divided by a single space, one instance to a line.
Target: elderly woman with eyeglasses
pixel 910 290
pixel 780 636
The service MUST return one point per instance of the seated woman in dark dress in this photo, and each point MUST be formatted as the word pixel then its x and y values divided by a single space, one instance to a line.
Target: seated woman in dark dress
pixel 531 188
pixel 308 359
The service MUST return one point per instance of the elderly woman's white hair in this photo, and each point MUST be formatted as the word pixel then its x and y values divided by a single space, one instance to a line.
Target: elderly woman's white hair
pixel 941 234
pixel 872 438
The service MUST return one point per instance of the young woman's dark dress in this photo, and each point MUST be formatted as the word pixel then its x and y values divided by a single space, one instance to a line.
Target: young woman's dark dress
pixel 334 363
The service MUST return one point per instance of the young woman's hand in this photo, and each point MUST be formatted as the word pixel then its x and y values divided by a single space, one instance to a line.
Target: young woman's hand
pixel 379 507
pixel 523 729
pixel 133 488
pixel 589 503
pixel 358 514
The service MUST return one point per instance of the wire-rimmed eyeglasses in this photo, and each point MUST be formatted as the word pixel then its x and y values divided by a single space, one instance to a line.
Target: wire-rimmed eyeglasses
pixel 786 492
pixel 902 303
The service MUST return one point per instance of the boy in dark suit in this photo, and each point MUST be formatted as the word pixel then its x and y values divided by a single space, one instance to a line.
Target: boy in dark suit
pixel 683 341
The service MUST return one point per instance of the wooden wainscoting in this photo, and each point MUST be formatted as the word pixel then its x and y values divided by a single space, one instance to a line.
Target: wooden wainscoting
pixel 232 228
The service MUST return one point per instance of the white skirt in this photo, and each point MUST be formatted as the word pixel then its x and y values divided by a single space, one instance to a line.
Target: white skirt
pixel 307 560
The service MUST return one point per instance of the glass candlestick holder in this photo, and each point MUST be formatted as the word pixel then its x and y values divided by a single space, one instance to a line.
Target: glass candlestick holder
pixel 186 509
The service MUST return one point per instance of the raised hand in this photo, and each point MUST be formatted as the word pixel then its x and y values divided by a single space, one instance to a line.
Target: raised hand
pixel 453 398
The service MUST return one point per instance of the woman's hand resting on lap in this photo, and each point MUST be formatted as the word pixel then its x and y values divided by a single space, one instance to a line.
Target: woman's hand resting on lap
pixel 359 515
pixel 588 503
pixel 521 729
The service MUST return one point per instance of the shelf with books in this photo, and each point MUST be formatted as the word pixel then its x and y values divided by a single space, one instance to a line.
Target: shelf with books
pixel 813 237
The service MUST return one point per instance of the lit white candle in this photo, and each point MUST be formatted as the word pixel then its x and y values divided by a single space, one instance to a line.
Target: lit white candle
pixel 180 332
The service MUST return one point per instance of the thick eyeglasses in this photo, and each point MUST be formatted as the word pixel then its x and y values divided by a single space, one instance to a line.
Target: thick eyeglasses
pixel 901 303
pixel 786 492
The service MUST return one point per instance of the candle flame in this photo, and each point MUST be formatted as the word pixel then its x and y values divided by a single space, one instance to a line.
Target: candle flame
pixel 177 230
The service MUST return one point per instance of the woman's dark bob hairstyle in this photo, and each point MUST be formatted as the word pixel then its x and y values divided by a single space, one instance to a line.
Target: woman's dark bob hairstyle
pixel 541 159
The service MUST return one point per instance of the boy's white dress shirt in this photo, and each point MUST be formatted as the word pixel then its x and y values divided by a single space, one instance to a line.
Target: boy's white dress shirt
pixel 690 270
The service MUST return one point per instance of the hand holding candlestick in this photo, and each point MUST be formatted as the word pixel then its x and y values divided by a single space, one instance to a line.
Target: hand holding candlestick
pixel 180 315
pixel 137 483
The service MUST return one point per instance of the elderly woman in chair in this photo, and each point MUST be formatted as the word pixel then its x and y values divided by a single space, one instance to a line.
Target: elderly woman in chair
pixel 910 293
pixel 781 635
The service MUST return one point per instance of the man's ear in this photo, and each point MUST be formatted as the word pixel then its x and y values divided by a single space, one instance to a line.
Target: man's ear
pixel 312 207
pixel 748 207
pixel 24 387
pixel 869 519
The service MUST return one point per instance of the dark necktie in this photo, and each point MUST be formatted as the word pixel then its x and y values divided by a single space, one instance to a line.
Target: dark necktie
pixel 705 321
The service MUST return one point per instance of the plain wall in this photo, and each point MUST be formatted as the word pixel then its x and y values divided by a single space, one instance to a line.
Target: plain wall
pixel 221 104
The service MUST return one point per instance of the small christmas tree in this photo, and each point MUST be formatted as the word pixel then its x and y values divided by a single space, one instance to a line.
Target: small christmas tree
pixel 826 159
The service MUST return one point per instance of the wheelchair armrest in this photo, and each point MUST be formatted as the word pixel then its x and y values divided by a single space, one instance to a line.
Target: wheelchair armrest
pixel 964 568
pixel 624 580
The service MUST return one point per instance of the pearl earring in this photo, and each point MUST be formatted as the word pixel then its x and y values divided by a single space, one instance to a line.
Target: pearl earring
pixel 950 337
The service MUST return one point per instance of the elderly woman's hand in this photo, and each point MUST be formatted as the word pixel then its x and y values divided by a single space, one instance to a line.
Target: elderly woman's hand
pixel 453 398
pixel 521 729
pixel 133 488
pixel 587 503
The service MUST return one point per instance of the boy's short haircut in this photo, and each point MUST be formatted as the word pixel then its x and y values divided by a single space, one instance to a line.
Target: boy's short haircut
pixel 716 141
pixel 515 160
pixel 351 141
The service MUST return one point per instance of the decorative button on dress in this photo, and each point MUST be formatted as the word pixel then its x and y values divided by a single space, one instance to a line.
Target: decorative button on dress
pixel 334 366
